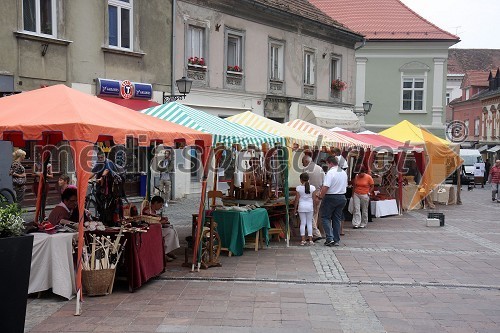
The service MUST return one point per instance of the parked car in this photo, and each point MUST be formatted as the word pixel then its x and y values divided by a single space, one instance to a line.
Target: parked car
pixel 470 157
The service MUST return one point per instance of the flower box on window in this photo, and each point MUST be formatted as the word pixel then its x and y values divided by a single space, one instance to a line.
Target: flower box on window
pixel 338 85
pixel 236 70
pixel 197 67
pixel 197 63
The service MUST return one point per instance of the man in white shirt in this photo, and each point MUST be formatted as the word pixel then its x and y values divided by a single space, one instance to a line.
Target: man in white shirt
pixel 316 177
pixel 342 161
pixel 333 199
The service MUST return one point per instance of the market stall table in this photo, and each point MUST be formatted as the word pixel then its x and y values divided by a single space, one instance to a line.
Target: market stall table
pixel 144 254
pixel 384 207
pixel 233 226
pixel 409 191
pixel 444 194
pixel 52 264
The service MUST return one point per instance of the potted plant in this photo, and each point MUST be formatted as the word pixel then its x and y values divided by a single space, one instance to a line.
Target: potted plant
pixel 338 85
pixel 198 63
pixel 15 257
pixel 234 69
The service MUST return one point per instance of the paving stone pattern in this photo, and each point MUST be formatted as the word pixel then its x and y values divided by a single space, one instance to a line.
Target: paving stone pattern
pixel 397 275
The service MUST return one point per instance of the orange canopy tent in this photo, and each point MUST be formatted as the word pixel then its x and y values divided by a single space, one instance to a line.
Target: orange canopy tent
pixel 60 113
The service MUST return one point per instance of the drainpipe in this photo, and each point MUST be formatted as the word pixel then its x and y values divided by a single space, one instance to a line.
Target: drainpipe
pixel 172 82
pixel 360 89
pixel 363 43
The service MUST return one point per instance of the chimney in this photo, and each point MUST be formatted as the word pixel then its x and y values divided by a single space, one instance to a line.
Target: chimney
pixel 497 79
pixel 491 81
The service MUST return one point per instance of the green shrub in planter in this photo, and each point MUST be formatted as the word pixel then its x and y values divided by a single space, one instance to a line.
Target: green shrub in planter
pixel 11 221
pixel 15 257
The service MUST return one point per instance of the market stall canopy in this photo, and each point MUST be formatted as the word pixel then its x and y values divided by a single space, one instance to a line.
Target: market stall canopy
pixel 341 140
pixel 482 148
pixel 291 135
pixel 79 116
pixel 440 160
pixel 375 140
pixel 134 104
pixel 407 132
pixel 223 131
pixel 338 129
pixel 82 119
pixel 380 140
pixel 328 117
pixel 493 149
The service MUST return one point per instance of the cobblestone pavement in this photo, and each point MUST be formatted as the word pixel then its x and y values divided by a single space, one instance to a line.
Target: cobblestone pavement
pixel 397 275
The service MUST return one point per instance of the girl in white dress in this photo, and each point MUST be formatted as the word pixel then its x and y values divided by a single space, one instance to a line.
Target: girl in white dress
pixel 305 207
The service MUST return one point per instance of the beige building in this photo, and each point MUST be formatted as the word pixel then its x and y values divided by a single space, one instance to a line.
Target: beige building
pixel 46 42
pixel 84 43
pixel 275 58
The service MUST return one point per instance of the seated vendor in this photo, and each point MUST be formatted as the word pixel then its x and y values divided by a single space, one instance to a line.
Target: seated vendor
pixel 168 232
pixel 62 213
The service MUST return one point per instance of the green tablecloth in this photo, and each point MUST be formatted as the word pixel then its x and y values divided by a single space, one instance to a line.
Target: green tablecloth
pixel 233 226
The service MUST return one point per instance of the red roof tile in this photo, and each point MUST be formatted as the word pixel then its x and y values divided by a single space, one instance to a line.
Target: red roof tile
pixel 463 60
pixel 475 79
pixel 302 8
pixel 382 20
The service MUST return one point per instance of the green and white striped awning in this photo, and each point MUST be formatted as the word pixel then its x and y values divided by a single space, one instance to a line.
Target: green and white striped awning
pixel 223 131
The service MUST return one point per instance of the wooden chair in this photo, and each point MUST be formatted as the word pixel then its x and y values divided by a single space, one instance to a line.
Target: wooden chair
pixel 214 195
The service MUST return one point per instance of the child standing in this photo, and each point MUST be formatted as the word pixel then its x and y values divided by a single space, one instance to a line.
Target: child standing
pixel 304 206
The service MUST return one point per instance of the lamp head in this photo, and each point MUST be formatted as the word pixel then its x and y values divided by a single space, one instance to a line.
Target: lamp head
pixel 184 85
pixel 367 106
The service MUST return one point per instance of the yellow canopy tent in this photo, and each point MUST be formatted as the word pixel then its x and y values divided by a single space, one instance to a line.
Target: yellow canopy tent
pixel 407 132
pixel 439 159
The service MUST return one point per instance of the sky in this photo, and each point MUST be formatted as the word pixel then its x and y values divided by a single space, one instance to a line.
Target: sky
pixel 472 21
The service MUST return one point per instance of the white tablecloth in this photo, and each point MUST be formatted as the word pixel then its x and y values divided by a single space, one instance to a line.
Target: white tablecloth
pixel 384 207
pixel 52 264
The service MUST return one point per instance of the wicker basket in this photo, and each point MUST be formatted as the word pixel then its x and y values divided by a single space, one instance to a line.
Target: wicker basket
pixel 98 282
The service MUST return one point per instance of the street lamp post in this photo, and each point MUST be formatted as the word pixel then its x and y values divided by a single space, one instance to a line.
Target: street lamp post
pixel 367 106
pixel 183 85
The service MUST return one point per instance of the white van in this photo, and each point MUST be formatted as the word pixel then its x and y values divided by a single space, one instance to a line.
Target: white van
pixel 470 157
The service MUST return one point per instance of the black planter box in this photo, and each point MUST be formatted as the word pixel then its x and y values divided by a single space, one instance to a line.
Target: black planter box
pixel 15 258
pixel 439 216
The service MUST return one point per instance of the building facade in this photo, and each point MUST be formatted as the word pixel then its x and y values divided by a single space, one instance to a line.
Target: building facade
pixel 272 58
pixel 468 109
pixel 490 101
pixel 93 46
pixel 401 69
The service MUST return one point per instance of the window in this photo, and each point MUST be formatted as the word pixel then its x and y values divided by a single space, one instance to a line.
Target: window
pixel 120 23
pixel 195 41
pixel 447 98
pixel 413 94
pixel 234 52
pixel 308 68
pixel 467 93
pixel 476 127
pixel 334 68
pixel 466 123
pixel 39 16
pixel 276 61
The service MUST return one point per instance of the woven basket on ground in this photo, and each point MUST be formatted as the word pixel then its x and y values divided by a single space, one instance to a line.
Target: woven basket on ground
pixel 98 282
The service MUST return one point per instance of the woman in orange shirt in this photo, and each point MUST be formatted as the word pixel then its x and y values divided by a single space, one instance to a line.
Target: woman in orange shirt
pixel 363 185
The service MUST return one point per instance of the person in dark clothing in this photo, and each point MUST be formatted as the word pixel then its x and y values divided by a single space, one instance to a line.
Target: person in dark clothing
pixel 487 167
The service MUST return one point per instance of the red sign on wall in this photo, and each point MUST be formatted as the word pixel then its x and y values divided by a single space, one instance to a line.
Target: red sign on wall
pixel 126 89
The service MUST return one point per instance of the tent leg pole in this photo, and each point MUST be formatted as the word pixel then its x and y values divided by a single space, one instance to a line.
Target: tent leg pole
pixel 78 310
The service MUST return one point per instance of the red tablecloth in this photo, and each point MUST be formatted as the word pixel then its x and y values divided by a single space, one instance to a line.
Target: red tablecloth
pixel 144 258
